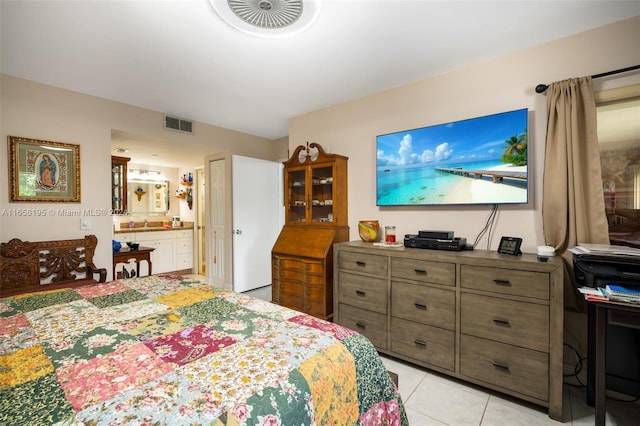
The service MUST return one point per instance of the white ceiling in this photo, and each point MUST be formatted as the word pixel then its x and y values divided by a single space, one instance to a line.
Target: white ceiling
pixel 179 57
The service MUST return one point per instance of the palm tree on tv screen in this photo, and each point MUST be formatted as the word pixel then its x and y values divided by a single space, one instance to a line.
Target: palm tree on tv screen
pixel 516 150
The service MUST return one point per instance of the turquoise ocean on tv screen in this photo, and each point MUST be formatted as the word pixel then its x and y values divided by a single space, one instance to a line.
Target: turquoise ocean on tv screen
pixel 422 184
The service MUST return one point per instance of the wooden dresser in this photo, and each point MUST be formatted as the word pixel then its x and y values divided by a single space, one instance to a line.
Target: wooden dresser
pixel 487 318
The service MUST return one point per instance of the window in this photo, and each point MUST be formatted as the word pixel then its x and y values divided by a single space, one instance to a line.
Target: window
pixel 619 137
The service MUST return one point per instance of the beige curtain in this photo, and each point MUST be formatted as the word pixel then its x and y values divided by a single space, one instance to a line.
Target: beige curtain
pixel 573 201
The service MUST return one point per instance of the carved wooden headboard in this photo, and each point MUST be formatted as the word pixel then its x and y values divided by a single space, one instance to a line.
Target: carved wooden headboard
pixel 33 266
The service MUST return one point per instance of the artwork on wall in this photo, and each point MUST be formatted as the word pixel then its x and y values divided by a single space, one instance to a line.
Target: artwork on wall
pixel 43 171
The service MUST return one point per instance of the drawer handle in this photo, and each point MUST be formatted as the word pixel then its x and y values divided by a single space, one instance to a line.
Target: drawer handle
pixel 420 343
pixel 361 293
pixel 502 282
pixel 420 271
pixel 421 306
pixel 361 325
pixel 361 263
pixel 502 322
pixel 499 366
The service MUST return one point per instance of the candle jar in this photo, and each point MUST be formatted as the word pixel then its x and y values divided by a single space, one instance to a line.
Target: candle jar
pixel 390 234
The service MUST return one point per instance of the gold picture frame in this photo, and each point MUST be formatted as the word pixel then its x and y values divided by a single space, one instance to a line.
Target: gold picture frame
pixel 43 171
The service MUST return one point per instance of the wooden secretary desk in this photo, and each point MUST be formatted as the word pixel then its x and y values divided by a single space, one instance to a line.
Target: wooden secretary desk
pixel 315 188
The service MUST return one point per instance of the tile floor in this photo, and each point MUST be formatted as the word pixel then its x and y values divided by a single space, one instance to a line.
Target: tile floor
pixel 434 399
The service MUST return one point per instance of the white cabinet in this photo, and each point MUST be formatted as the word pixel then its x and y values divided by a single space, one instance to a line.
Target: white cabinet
pixel 173 249
pixel 126 237
pixel 163 257
pixel 184 250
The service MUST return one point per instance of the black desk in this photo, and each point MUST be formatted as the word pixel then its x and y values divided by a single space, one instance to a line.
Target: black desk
pixel 597 353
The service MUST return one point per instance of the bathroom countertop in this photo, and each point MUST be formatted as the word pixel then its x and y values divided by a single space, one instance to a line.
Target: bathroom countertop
pixel 141 228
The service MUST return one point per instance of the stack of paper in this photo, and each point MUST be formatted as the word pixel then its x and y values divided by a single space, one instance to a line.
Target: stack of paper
pixel 614 293
pixel 593 294
pixel 604 249
pixel 623 294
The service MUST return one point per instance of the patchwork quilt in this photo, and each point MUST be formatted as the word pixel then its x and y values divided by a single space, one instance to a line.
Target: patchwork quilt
pixel 166 350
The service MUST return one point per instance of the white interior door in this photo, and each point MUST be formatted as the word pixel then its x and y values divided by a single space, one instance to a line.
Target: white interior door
pixel 217 231
pixel 258 214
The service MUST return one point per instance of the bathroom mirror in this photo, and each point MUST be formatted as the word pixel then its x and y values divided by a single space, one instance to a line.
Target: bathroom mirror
pixel 149 198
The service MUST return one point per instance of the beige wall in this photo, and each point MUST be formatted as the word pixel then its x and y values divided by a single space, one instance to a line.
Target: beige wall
pixel 499 85
pixel 281 151
pixel 39 111
pixel 43 112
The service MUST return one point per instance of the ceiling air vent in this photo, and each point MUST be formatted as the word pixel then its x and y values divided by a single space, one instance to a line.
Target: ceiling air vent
pixel 179 124
pixel 267 13
pixel 268 18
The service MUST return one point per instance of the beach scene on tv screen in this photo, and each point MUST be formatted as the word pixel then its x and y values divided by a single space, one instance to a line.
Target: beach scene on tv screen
pixel 481 160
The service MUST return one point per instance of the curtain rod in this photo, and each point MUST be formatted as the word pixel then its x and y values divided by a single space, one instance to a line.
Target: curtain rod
pixel 541 88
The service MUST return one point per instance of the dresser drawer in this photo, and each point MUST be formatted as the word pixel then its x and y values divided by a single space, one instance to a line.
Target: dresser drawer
pixel 184 246
pixel 315 294
pixel 368 263
pixel 317 307
pixel 427 305
pixel 505 281
pixel 155 235
pixel 423 343
pixel 184 261
pixel 421 270
pixel 125 237
pixel 370 324
pixel 363 292
pixel 288 286
pixel 518 323
pixel 304 266
pixel 521 370
pixel 289 299
pixel 301 276
pixel 184 233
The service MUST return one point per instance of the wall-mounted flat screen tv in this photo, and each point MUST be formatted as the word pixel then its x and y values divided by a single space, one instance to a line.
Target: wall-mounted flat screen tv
pixel 481 160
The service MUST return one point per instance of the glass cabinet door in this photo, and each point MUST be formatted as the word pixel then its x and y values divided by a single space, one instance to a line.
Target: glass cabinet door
pixel 310 195
pixel 296 180
pixel 119 184
pixel 322 195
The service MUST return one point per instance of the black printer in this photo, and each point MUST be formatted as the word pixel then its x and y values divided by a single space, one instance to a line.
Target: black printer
pixel 598 270
pixel 623 333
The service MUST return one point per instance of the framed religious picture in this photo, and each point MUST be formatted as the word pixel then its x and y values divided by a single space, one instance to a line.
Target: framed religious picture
pixel 43 171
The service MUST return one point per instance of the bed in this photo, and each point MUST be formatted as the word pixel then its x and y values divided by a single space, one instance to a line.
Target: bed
pixel 169 350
